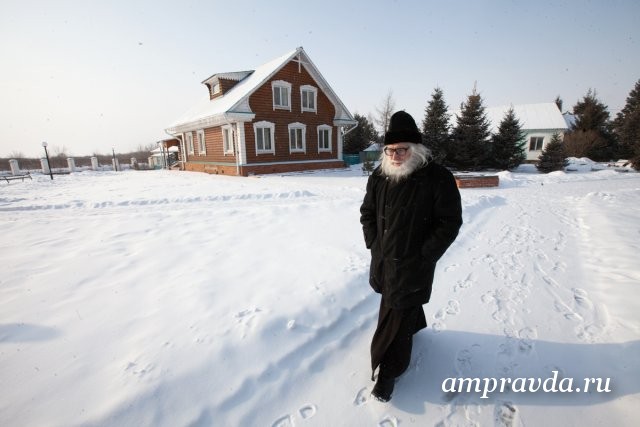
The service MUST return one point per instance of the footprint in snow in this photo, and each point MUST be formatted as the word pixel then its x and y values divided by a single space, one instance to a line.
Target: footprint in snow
pixel 582 299
pixel 463 361
pixel 451 267
pixel 438 327
pixel 284 421
pixel 453 307
pixel 463 284
pixel 505 414
pixel 361 397
pixel 305 412
pixel 526 337
pixel 388 421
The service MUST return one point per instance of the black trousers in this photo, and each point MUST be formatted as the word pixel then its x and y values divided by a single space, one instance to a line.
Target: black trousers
pixel 393 339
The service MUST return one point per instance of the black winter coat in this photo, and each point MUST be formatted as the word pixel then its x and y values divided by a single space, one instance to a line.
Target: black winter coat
pixel 408 226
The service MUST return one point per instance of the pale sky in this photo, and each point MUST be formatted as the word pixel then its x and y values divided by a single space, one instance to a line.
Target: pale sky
pixel 89 76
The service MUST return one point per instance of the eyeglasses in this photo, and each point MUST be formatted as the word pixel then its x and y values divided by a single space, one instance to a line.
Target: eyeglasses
pixel 400 151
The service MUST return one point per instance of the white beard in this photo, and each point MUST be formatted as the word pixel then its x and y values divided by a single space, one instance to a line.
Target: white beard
pixel 417 158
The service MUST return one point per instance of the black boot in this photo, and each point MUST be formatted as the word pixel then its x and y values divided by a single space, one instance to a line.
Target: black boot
pixel 383 389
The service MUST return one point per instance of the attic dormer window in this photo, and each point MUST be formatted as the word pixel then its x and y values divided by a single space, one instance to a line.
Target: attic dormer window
pixel 216 88
pixel 309 95
pixel 281 95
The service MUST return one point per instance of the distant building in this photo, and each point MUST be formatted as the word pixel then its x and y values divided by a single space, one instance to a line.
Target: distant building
pixel 539 122
pixel 371 153
pixel 283 116
pixel 166 155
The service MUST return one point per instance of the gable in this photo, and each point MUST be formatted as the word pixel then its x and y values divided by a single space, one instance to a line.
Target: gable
pixel 295 80
pixel 234 101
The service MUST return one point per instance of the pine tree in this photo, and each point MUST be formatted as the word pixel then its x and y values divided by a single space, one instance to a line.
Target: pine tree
pixel 553 156
pixel 592 133
pixel 508 144
pixel 627 127
pixel 558 102
pixel 436 129
pixel 470 136
pixel 360 137
pixel 368 166
pixel 591 114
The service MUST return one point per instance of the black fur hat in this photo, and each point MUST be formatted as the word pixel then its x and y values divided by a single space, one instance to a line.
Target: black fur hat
pixel 402 129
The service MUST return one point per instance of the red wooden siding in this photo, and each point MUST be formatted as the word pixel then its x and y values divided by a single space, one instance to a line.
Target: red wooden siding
pixel 214 147
pixel 261 103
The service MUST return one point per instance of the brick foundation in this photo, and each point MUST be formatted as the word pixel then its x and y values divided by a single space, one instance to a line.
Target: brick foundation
pixel 246 170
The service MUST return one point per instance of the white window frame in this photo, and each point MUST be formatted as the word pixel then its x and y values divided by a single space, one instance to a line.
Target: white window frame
pixel 277 86
pixel 217 88
pixel 202 146
pixel 227 140
pixel 537 138
pixel 305 92
pixel 321 129
pixel 260 127
pixel 300 146
pixel 190 143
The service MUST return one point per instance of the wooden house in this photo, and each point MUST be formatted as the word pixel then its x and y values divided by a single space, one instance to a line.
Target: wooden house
pixel 281 117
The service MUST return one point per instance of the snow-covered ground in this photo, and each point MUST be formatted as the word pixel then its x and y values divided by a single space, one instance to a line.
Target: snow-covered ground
pixel 183 299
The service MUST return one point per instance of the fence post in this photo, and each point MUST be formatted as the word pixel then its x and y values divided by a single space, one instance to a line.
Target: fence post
pixel 15 168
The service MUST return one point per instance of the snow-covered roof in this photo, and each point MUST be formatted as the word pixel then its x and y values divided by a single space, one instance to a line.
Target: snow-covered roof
pixel 236 75
pixel 569 118
pixel 531 116
pixel 234 103
pixel 159 150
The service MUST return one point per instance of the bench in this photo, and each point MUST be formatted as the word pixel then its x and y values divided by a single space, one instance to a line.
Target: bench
pixel 20 177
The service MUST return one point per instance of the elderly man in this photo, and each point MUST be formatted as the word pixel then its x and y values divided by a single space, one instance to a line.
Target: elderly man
pixel 410 215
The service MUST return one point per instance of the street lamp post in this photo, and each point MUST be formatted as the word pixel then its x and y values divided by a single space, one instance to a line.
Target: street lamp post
pixel 46 153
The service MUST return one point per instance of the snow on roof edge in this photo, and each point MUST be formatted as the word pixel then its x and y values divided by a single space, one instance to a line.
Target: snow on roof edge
pixel 545 115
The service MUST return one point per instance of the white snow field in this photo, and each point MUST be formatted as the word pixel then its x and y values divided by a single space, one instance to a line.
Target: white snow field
pixel 183 299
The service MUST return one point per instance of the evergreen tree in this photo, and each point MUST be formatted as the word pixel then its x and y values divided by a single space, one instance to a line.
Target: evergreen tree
pixel 435 126
pixel 627 128
pixel 368 166
pixel 592 132
pixel 470 136
pixel 558 102
pixel 508 144
pixel 361 137
pixel 591 114
pixel 553 157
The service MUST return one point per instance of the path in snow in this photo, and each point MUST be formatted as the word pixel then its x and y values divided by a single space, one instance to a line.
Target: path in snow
pixel 526 276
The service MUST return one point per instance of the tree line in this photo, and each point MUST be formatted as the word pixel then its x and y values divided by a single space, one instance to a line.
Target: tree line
pixel 470 145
